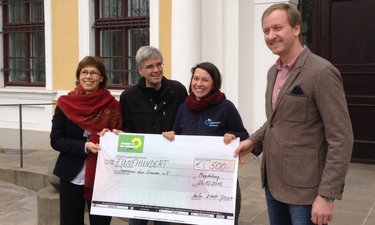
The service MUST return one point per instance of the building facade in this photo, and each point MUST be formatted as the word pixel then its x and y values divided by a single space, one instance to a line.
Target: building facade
pixel 43 41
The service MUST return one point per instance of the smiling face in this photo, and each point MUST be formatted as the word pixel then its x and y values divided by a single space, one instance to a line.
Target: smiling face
pixel 89 79
pixel 201 83
pixel 152 71
pixel 281 38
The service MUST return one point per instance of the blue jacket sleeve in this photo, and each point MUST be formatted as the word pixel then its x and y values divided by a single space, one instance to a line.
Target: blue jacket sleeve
pixel 234 121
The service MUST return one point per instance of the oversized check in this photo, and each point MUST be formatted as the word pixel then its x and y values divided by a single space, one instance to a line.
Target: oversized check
pixel 144 176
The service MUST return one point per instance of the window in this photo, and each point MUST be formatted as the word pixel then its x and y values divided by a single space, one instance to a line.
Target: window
pixel 23 42
pixel 121 27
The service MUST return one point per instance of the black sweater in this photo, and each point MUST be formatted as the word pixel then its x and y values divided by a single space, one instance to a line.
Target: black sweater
pixel 145 110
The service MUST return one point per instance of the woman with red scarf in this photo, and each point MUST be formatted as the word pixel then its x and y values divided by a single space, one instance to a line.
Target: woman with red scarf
pixel 78 118
pixel 206 111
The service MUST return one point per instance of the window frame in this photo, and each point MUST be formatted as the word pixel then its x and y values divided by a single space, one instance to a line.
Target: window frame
pixel 125 23
pixel 27 27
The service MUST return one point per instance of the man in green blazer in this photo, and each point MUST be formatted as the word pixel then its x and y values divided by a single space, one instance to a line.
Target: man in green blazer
pixel 307 139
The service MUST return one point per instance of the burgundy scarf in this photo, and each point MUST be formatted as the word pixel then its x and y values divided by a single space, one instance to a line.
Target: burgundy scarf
pixel 91 112
pixel 208 101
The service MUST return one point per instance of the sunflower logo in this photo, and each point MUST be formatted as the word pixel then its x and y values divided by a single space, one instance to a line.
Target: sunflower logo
pixel 137 142
pixel 130 143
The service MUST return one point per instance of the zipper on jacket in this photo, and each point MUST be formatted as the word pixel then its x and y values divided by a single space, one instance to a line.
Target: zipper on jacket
pixel 199 123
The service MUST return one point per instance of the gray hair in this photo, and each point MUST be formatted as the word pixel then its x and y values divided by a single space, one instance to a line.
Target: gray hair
pixel 147 52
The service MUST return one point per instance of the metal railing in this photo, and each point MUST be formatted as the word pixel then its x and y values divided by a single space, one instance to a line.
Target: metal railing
pixel 20 124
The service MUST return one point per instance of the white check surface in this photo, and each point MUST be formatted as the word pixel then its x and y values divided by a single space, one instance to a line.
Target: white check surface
pixel 190 180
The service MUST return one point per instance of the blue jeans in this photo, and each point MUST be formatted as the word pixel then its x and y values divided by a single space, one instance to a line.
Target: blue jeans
pixel 280 213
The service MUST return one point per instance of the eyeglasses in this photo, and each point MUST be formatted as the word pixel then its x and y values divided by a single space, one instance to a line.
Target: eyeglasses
pixel 93 74
pixel 158 66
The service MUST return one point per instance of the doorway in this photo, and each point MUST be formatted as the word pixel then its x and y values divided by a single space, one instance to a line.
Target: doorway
pixel 342 31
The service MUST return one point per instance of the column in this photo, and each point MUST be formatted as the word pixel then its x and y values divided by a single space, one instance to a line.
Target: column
pixel 186 38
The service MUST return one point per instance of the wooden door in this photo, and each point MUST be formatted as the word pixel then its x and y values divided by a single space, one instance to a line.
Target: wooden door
pixel 344 33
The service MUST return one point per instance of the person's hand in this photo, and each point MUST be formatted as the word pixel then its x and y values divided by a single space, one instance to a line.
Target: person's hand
pixel 322 211
pixel 116 131
pixel 91 147
pixel 101 133
pixel 228 138
pixel 243 150
pixel 105 130
pixel 169 135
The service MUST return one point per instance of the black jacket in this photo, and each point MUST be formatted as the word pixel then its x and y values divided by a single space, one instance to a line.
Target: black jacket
pixel 67 138
pixel 145 110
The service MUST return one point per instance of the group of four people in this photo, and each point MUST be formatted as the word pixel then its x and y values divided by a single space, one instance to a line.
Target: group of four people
pixel 306 141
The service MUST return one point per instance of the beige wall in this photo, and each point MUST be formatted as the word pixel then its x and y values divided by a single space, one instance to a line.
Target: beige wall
pixel 165 34
pixel 65 53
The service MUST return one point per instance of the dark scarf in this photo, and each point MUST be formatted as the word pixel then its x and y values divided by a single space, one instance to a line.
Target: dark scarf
pixel 208 101
pixel 91 112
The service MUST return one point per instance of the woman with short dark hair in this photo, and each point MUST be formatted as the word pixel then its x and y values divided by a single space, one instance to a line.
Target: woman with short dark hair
pixel 207 112
pixel 78 118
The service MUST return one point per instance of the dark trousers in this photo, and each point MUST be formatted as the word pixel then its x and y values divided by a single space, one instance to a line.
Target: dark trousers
pixel 238 204
pixel 72 206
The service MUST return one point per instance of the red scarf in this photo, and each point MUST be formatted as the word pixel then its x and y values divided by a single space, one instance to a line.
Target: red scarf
pixel 208 101
pixel 91 112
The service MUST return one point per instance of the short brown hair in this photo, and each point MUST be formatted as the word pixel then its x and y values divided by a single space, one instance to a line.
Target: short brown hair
pixel 294 16
pixel 95 62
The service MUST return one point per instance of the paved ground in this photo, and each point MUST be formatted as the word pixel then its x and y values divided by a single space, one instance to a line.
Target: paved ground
pixel 18 205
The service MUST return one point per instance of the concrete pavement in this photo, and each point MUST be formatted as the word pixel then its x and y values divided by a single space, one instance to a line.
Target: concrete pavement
pixel 18 187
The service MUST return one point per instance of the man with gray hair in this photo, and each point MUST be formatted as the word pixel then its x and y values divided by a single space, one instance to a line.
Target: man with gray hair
pixel 151 105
